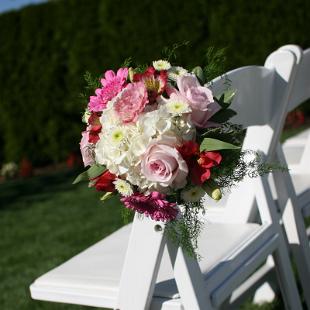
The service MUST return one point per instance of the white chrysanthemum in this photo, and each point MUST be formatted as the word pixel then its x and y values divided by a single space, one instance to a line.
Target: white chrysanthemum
pixel 177 106
pixel 161 65
pixel 175 72
pixel 123 187
pixel 193 194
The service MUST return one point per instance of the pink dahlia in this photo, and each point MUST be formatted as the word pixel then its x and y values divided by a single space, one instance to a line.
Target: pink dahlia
pixel 131 102
pixel 153 205
pixel 112 85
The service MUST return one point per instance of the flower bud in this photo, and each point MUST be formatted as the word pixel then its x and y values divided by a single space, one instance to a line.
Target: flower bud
pixel 212 190
pixel 130 74
pixel 216 194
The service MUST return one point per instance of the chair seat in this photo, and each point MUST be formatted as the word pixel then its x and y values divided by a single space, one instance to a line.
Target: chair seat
pixel 92 277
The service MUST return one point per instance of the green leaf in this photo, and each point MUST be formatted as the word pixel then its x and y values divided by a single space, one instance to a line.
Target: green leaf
pixel 199 73
pixel 209 144
pixel 223 115
pixel 106 196
pixel 229 96
pixel 81 177
pixel 93 172
pixel 226 98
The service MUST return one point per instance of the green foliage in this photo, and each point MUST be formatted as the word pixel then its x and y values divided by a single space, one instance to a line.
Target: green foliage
pixel 91 173
pixel 92 83
pixel 237 165
pixel 185 231
pixel 215 62
pixel 46 49
pixel 209 144
pixel 170 53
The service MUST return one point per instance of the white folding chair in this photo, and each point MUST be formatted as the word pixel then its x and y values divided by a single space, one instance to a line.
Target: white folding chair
pixel 292 206
pixel 144 270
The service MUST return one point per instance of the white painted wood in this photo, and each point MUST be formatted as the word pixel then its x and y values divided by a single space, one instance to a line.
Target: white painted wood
pixel 258 109
pixel 237 249
pixel 297 150
pixel 281 257
pixel 189 280
pixel 293 222
pixel 301 90
pixel 140 269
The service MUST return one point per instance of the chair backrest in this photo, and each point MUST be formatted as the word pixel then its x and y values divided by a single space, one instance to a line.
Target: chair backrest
pixel 254 91
pixel 263 94
pixel 301 88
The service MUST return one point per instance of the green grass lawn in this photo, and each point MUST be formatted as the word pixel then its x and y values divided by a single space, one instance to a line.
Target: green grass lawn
pixel 43 222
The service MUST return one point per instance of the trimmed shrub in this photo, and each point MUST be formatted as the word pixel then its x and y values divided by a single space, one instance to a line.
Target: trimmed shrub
pixel 45 50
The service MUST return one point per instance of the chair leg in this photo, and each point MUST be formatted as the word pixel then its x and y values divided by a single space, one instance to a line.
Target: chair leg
pixel 286 277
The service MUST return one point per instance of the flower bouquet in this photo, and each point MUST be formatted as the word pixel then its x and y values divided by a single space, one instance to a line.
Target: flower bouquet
pixel 159 139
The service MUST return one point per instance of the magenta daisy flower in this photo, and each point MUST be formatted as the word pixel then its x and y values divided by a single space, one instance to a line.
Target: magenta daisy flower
pixel 153 205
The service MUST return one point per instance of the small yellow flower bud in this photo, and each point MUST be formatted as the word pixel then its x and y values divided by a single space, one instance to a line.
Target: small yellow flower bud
pixel 212 190
pixel 130 74
pixel 216 194
pixel 106 196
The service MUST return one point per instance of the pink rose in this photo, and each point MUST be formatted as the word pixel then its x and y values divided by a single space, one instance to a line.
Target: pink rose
pixel 200 98
pixel 86 149
pixel 163 164
pixel 131 102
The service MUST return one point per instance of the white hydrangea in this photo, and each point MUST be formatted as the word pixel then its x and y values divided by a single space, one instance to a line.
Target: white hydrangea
pixel 156 123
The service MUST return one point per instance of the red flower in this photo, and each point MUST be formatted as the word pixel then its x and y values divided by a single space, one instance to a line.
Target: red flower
pixel 189 149
pixel 201 169
pixel 95 128
pixel 155 82
pixel 105 182
pixel 209 159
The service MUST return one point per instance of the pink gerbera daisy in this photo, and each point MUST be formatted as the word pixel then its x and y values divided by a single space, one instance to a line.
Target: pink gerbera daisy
pixel 153 205
pixel 112 85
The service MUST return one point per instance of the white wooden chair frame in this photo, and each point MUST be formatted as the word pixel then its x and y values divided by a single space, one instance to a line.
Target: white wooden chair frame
pixel 292 210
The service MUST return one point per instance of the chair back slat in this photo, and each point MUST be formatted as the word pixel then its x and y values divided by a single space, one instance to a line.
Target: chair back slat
pixel 263 94
pixel 301 89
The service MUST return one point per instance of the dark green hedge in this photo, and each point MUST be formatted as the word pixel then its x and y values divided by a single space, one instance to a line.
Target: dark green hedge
pixel 45 49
